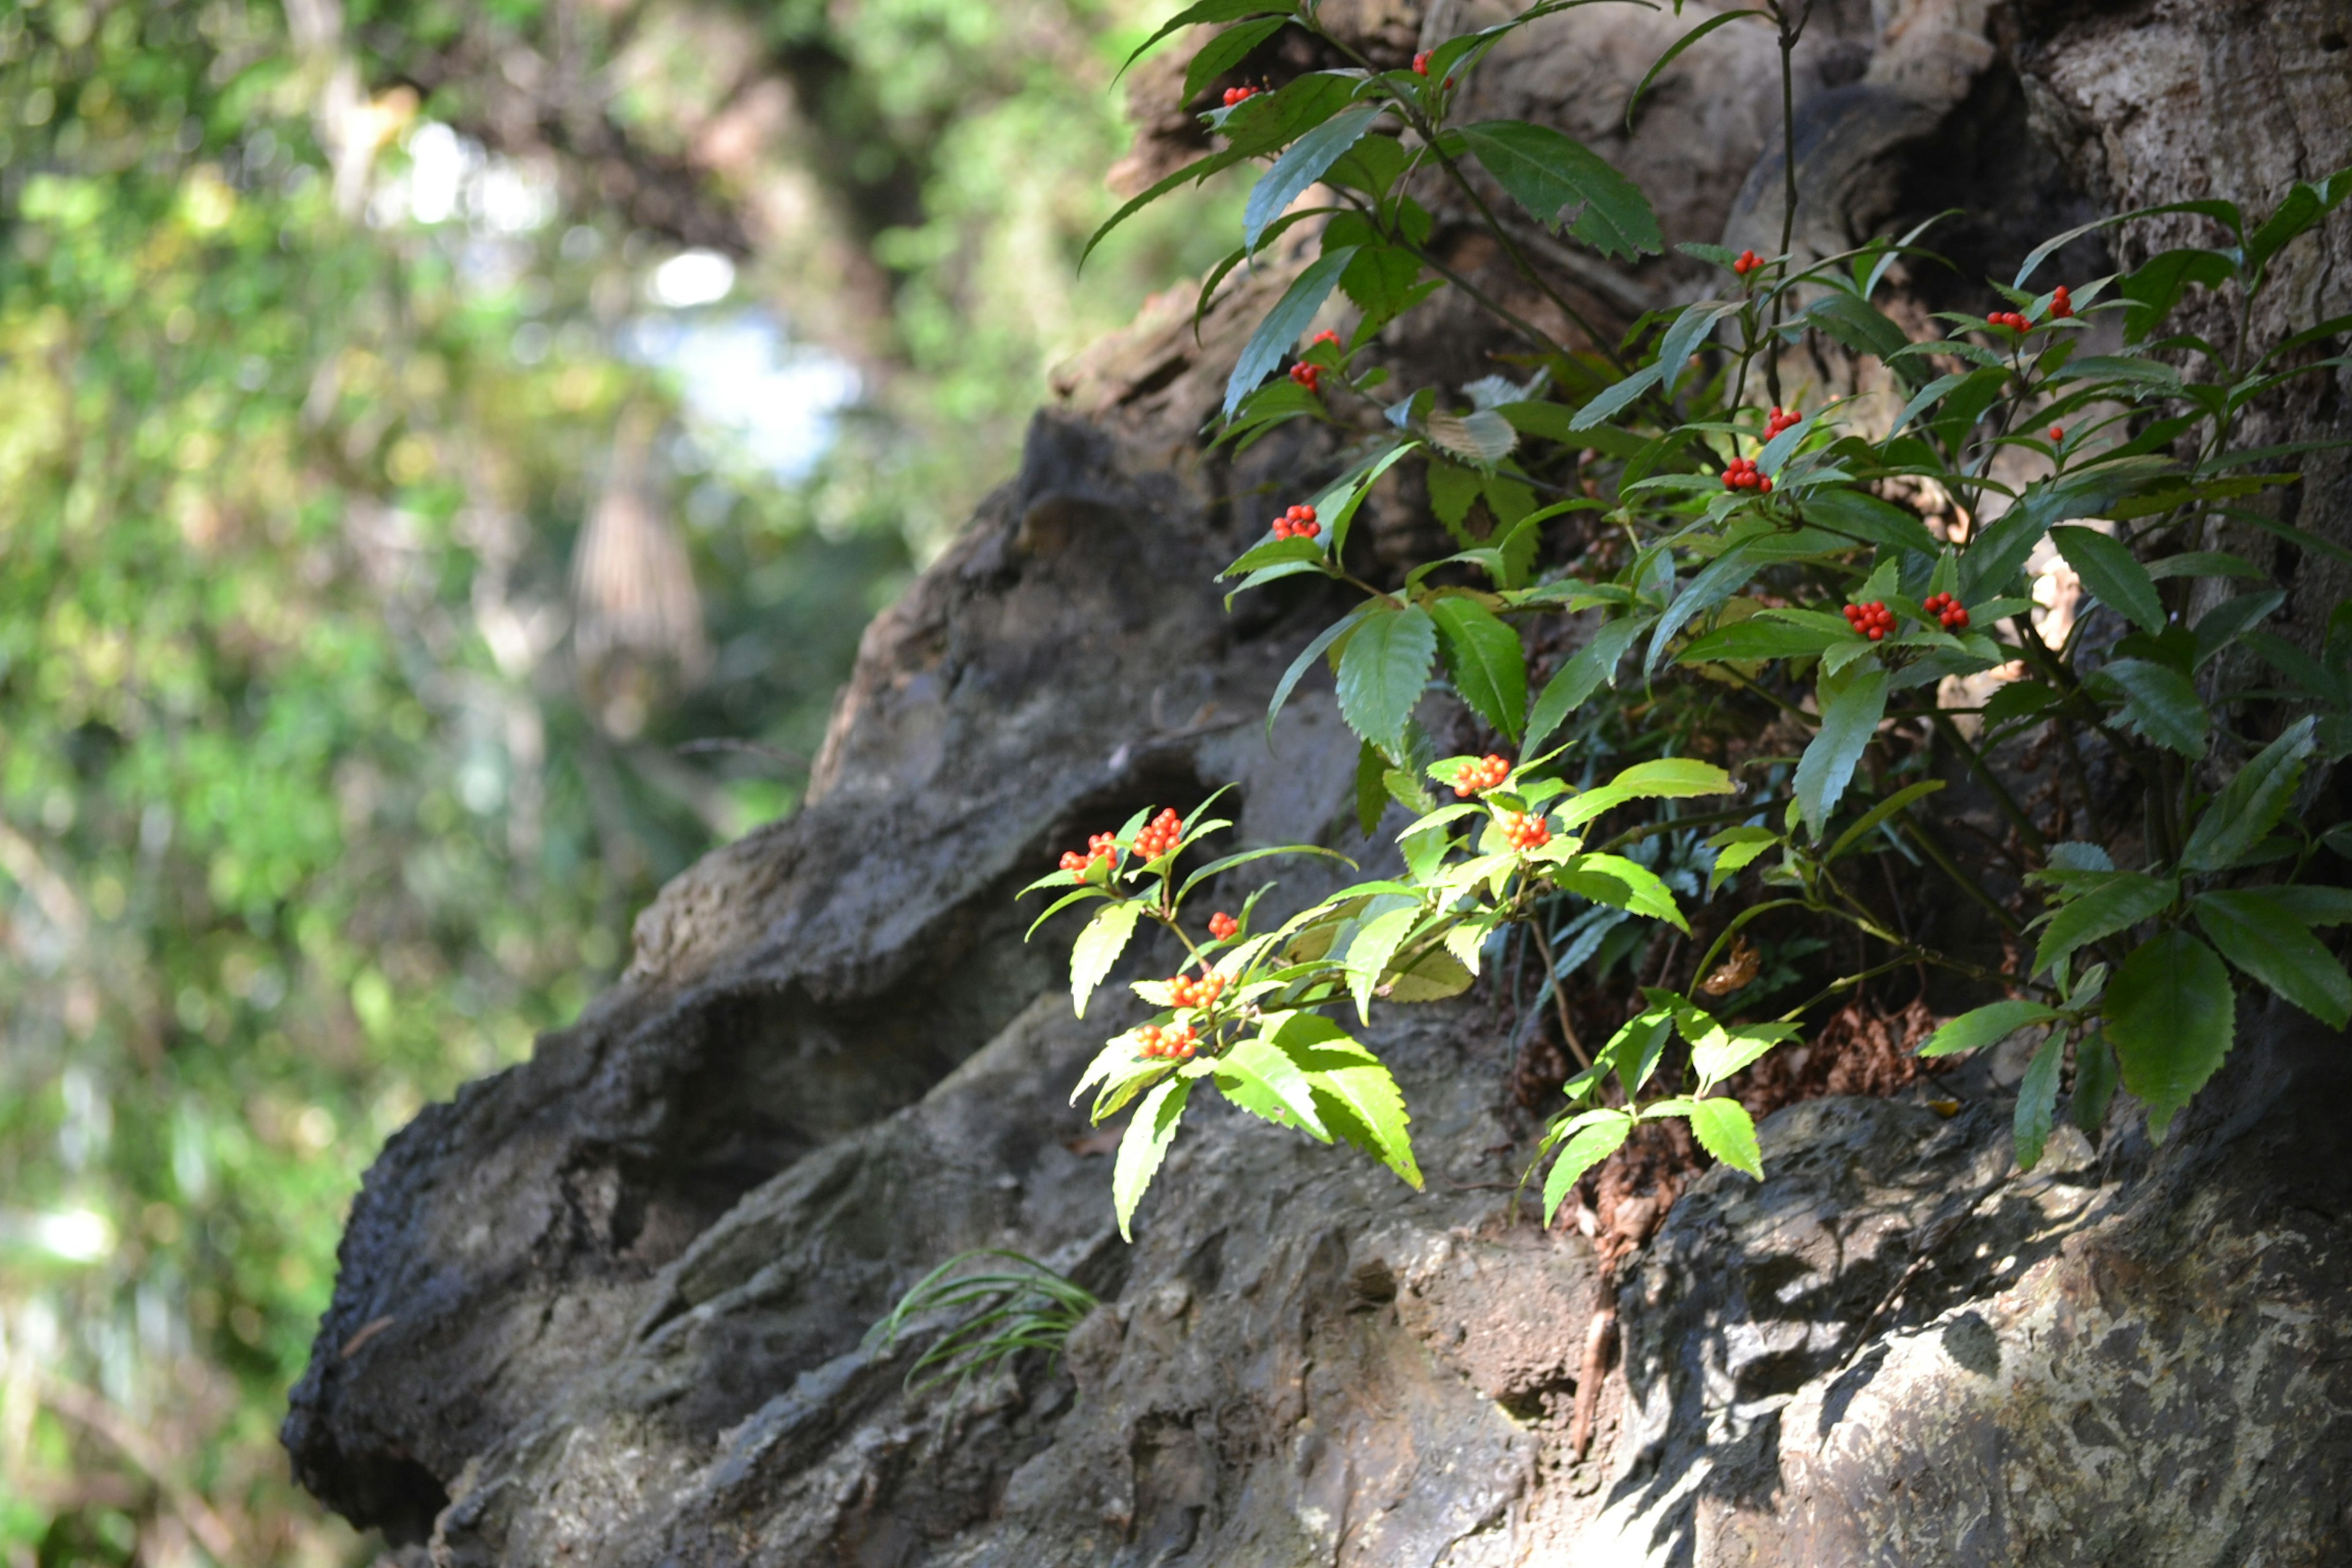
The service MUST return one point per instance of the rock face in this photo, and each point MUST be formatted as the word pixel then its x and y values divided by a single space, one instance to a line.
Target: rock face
pixel 607 1307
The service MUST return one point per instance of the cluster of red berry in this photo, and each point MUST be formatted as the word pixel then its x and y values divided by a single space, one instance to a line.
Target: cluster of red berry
pixel 1176 1045
pixel 1873 620
pixel 1781 420
pixel 1099 846
pixel 1236 94
pixel 1420 63
pixel 1949 610
pixel 2012 320
pixel 1186 991
pixel 1749 262
pixel 1222 925
pixel 2062 304
pixel 1159 835
pixel 1524 830
pixel 1483 775
pixel 1309 377
pixel 1298 522
pixel 1742 476
pixel 1325 336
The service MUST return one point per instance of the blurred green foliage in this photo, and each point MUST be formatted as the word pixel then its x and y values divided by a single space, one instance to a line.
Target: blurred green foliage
pixel 311 808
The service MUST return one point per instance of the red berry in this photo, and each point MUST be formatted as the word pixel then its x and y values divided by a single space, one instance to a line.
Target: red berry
pixel 1327 336
pixel 1306 514
pixel 1237 94
pixel 1764 485
pixel 1421 64
pixel 1222 925
pixel 2057 434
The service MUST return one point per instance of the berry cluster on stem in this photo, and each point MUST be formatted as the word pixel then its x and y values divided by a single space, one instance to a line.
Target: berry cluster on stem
pixel 1749 262
pixel 2062 303
pixel 1174 1044
pixel 1873 620
pixel 2012 320
pixel 1099 846
pixel 1742 474
pixel 1185 991
pixel 1781 419
pixel 1298 522
pixel 1524 830
pixel 1309 377
pixel 1159 835
pixel 1949 610
pixel 1236 94
pixel 1222 925
pixel 1487 772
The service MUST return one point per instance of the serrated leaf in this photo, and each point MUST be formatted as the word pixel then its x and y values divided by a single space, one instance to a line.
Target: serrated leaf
pixel 2159 703
pixel 2117 901
pixel 2037 1100
pixel 1291 315
pixel 1098 948
pixel 2242 815
pixel 1355 1094
pixel 1226 51
pixel 1143 1146
pixel 1581 677
pixel 1590 1146
pixel 1547 173
pixel 1984 1026
pixel 1435 976
pixel 2258 934
pixel 1725 1130
pixel 1485 661
pixel 1308 655
pixel 1301 166
pixel 1383 673
pixel 1867 517
pixel 1849 720
pixel 1644 892
pixel 1384 280
pixel 1666 778
pixel 2172 1015
pixel 1726 1051
pixel 2094 1081
pixel 1756 638
pixel 1369 954
pixel 1266 1082
pixel 2113 575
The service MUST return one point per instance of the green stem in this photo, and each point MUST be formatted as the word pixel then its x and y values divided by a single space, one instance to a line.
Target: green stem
pixel 2010 808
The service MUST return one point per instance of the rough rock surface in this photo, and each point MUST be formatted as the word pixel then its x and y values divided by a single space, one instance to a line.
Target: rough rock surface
pixel 607 1307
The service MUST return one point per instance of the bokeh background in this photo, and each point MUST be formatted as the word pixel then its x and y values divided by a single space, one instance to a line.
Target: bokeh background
pixel 448 453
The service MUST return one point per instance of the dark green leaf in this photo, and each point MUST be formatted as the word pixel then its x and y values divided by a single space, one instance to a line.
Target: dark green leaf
pixel 2172 1015
pixel 1226 51
pixel 2258 934
pixel 2231 619
pixel 2037 1100
pixel 1674 51
pixel 1300 166
pixel 1308 655
pixel 1384 282
pixel 1547 173
pixel 2224 213
pixel 2159 703
pixel 2157 286
pixel 2094 1081
pixel 1278 333
pixel 2252 802
pixel 1483 659
pixel 1383 672
pixel 2112 573
pixel 1754 638
pixel 1866 517
pixel 1202 11
pixel 1884 810
pixel 1849 719
pixel 2117 901
pixel 1581 677
pixel 2305 205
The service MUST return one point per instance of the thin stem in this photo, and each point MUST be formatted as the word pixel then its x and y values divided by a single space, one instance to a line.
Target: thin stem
pixel 2007 802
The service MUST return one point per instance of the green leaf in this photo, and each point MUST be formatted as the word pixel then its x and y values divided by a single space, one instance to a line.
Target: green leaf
pixel 1371 790
pixel 1849 720
pixel 2111 572
pixel 2315 906
pixel 1098 947
pixel 2094 1081
pixel 1985 1026
pixel 1547 173
pixel 1383 673
pixel 2252 802
pixel 1384 282
pixel 1452 491
pixel 2258 934
pixel 1736 849
pixel 1226 51
pixel 1199 169
pixel 1481 437
pixel 1435 976
pixel 1611 400
pixel 1369 954
pixel 1308 655
pixel 1291 315
pixel 1301 166
pixel 1202 11
pixel 2231 619
pixel 2204 564
pixel 2224 213
pixel 1666 778
pixel 1994 555
pixel 1144 1146
pixel 2172 1015
pixel 2037 1099
pixel 2157 286
pixel 1266 1082
pixel 1581 677
pixel 1725 1130
pixel 1865 329
pixel 1675 49
pixel 1485 661
pixel 1595 1142
pixel 1723 1052
pixel 1624 884
pixel 1354 1094
pixel 2159 703
pixel 1756 638
pixel 2117 901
